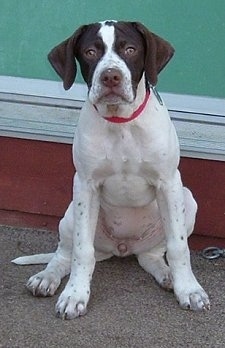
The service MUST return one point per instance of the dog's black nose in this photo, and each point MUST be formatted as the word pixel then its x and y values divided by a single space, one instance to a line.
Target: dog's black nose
pixel 111 77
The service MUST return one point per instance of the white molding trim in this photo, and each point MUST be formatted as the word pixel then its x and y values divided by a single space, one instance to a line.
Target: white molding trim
pixel 41 88
pixel 42 110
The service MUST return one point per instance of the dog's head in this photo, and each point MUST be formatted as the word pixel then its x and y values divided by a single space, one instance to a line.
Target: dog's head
pixel 113 57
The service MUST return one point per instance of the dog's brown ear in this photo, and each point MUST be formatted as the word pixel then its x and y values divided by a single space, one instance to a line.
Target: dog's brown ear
pixel 62 58
pixel 158 53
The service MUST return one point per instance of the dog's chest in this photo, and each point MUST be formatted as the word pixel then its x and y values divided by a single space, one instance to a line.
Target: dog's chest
pixel 124 172
pixel 123 150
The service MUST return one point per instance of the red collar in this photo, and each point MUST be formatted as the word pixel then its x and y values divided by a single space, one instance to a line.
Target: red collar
pixel 136 113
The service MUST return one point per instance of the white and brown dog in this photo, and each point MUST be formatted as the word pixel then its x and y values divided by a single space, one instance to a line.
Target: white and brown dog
pixel 128 196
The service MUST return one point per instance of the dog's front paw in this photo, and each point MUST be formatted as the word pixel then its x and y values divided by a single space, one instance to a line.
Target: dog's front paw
pixel 195 300
pixel 71 303
pixel 43 283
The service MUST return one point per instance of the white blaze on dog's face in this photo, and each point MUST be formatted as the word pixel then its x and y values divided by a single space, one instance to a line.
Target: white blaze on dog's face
pixel 111 66
pixel 112 62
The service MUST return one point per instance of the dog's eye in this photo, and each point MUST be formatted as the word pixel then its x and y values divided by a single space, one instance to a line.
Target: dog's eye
pixel 91 53
pixel 129 51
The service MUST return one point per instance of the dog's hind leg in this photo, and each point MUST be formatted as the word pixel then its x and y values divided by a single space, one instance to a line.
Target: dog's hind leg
pixel 46 282
pixel 154 262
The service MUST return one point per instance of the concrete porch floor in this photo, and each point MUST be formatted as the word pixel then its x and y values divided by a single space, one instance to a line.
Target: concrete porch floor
pixel 127 308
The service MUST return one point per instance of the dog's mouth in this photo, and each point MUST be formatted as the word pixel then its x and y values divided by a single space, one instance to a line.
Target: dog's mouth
pixel 114 96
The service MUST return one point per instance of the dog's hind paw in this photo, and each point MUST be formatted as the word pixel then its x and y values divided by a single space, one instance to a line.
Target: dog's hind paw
pixel 166 282
pixel 43 283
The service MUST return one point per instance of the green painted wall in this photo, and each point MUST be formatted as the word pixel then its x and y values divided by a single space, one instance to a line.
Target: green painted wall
pixel 196 28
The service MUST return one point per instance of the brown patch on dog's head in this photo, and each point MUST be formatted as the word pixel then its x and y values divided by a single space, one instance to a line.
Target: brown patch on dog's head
pixel 158 53
pixel 153 57
pixel 62 57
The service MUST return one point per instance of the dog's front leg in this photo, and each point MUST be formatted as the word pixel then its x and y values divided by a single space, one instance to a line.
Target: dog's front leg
pixel 170 199
pixel 73 300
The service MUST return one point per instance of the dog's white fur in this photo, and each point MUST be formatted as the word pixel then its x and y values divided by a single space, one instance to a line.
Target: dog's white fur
pixel 128 198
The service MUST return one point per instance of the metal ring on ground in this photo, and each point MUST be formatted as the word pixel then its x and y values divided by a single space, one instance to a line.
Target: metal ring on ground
pixel 211 253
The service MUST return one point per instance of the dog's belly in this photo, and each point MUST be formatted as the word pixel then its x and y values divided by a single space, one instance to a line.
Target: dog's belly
pixel 129 220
